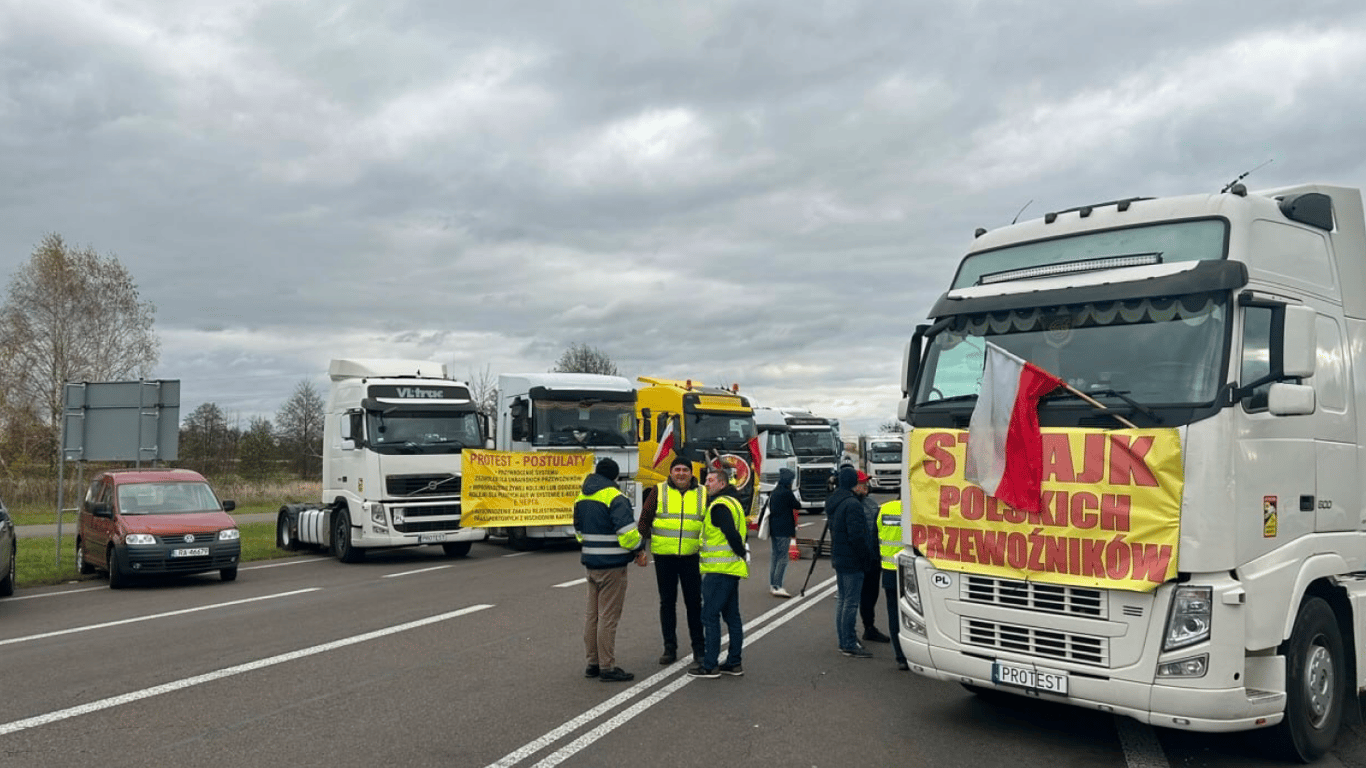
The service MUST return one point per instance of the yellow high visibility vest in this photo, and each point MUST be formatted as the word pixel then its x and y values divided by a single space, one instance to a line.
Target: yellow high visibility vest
pixel 620 542
pixel 677 529
pixel 717 556
pixel 889 533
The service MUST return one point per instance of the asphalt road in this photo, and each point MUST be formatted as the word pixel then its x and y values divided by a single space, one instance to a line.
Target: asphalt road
pixel 415 659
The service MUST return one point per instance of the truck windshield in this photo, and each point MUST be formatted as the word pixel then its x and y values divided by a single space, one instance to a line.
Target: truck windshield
pixel 778 445
pixel 721 431
pixel 401 430
pixel 882 453
pixel 583 422
pixel 815 442
pixel 1165 351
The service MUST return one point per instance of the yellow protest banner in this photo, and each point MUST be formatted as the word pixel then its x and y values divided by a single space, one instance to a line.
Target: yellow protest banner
pixel 514 488
pixel 1111 512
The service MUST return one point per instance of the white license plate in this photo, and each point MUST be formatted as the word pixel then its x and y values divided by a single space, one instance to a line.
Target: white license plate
pixel 1033 678
pixel 195 552
pixel 430 538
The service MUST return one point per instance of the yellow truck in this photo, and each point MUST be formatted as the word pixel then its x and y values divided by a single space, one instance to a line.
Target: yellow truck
pixel 699 423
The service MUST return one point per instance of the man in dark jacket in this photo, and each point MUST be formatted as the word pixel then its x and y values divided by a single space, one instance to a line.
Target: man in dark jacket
pixel 782 527
pixel 606 528
pixel 872 579
pixel 851 556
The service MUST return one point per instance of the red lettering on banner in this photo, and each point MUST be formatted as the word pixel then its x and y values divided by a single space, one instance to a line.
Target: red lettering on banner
pixel 1150 561
pixel 939 462
pixel 1093 459
pixel 1127 465
pixel 1057 458
pixel 918 536
pixel 974 502
pixel 948 499
pixel 1093 558
pixel 1082 512
pixel 934 541
pixel 991 548
pixel 1114 512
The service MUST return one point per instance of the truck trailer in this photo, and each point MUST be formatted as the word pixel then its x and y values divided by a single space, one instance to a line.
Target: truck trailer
pixel 1189 547
pixel 392 439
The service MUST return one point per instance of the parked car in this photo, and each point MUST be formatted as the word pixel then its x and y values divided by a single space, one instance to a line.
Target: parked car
pixel 155 521
pixel 9 552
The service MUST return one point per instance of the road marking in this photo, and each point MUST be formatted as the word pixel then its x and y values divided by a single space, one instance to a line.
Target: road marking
pixel 573 583
pixel 516 554
pixel 150 617
pixel 793 607
pixel 53 594
pixel 409 573
pixel 1141 747
pixel 291 562
pixel 176 685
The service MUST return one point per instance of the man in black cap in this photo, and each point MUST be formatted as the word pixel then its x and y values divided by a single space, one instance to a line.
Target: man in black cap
pixel 606 528
pixel 671 517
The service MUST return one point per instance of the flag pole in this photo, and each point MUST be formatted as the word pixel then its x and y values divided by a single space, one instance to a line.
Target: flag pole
pixel 1098 404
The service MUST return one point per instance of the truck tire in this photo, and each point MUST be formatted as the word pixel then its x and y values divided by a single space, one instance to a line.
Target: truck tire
pixel 518 540
pixel 1316 684
pixel 456 548
pixel 82 565
pixel 284 538
pixel 117 578
pixel 7 581
pixel 341 538
pixel 228 574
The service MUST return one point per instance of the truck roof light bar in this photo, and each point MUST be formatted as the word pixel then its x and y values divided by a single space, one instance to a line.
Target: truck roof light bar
pixel 1085 210
pixel 1072 267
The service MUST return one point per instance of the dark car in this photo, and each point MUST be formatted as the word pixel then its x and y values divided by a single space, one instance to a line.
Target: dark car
pixel 155 521
pixel 9 552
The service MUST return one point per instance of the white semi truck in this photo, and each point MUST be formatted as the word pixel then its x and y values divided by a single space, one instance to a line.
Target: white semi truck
pixel 1196 558
pixel 775 438
pixel 879 456
pixel 392 439
pixel 567 412
pixel 820 452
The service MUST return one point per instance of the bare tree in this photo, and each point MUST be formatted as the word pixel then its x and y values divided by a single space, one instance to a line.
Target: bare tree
pixel 71 315
pixel 891 428
pixel 299 426
pixel 484 390
pixel 581 358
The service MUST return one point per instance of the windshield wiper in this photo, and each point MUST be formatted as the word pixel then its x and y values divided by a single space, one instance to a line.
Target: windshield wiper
pixel 1133 404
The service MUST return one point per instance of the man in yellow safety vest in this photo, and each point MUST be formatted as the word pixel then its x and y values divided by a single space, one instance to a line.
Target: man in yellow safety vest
pixel 889 543
pixel 724 564
pixel 671 516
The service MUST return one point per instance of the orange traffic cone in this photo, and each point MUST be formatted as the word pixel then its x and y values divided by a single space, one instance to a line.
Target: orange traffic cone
pixel 792 552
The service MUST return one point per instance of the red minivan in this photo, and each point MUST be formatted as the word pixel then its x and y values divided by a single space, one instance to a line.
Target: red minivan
pixel 151 521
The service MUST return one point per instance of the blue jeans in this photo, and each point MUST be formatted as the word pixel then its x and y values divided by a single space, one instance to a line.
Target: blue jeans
pixel 721 598
pixel 893 612
pixel 777 568
pixel 849 588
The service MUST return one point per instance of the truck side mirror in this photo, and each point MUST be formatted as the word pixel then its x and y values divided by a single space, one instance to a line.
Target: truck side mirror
pixel 645 425
pixel 521 424
pixel 1284 399
pixel 910 359
pixel 1299 342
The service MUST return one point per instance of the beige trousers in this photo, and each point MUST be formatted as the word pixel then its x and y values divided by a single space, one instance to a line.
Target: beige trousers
pixel 606 596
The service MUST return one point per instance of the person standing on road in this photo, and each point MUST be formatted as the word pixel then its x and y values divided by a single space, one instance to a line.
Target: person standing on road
pixel 889 543
pixel 671 516
pixel 782 528
pixel 606 527
pixel 850 555
pixel 724 564
pixel 872 578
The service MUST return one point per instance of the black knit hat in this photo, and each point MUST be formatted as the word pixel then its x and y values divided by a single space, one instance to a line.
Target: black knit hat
pixel 679 461
pixel 607 468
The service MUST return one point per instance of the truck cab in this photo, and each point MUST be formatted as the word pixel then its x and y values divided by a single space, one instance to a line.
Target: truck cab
pixel 775 438
pixel 879 457
pixel 820 452
pixel 701 424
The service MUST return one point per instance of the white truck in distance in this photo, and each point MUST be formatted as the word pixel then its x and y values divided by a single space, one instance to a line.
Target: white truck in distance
pixel 1200 565
pixel 820 452
pixel 392 439
pixel 879 456
pixel 775 439
pixel 567 412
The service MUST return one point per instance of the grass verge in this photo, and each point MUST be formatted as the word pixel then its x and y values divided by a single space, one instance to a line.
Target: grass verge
pixel 37 564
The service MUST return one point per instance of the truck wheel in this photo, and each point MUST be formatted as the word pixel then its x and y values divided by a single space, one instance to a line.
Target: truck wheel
pixel 228 574
pixel 456 548
pixel 518 540
pixel 117 578
pixel 1316 684
pixel 7 583
pixel 341 538
pixel 82 566
pixel 284 539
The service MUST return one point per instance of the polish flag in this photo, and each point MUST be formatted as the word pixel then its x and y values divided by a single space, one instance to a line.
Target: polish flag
pixel 667 446
pixel 1005 450
pixel 755 454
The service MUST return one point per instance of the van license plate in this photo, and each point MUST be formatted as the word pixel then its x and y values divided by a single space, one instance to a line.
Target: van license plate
pixel 430 538
pixel 1022 676
pixel 195 552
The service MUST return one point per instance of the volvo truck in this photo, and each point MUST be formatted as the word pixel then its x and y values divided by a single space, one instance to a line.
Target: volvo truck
pixel 1187 544
pixel 567 412
pixel 392 438
pixel 702 424
pixel 775 441
pixel 820 452
pixel 879 456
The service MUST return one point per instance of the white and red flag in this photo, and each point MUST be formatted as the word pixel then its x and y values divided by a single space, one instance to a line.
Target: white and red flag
pixel 667 445
pixel 1005 450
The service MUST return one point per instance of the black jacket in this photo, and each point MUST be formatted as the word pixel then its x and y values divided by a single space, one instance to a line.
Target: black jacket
pixel 849 550
pixel 782 506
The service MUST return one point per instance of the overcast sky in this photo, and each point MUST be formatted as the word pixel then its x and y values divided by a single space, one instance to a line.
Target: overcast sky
pixel 771 193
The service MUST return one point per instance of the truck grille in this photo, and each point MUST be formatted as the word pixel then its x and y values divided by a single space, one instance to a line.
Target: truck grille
pixel 1032 596
pixel 419 519
pixel 815 485
pixel 1036 641
pixel 422 485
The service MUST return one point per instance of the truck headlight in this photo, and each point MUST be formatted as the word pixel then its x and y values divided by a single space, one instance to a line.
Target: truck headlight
pixel 229 534
pixel 910 587
pixel 140 539
pixel 1191 614
pixel 377 512
pixel 1192 666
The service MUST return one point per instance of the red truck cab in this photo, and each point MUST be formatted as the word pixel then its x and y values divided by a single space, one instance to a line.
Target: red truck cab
pixel 155 521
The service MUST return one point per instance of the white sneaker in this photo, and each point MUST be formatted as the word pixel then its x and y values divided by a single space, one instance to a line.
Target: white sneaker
pixel 779 592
